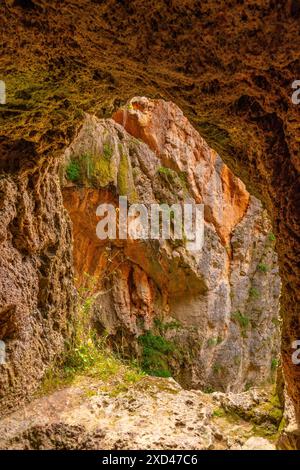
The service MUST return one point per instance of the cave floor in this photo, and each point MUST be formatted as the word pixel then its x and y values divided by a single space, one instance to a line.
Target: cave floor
pixel 154 413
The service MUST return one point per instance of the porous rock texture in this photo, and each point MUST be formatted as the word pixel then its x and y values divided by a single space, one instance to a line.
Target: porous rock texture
pixel 215 305
pixel 229 66
pixel 84 417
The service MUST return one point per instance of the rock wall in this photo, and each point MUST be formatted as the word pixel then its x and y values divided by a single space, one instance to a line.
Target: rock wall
pixel 216 308
pixel 228 66
pixel 36 290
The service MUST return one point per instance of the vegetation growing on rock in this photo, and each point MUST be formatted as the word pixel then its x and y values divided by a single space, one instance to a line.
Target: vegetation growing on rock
pixel 237 303
pixel 87 354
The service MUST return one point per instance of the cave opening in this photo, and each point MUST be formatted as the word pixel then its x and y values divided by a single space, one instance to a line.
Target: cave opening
pixel 210 320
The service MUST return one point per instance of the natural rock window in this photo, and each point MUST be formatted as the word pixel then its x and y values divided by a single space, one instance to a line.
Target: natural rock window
pixel 210 320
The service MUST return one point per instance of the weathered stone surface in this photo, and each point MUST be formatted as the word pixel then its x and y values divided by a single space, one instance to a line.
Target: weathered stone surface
pixel 227 308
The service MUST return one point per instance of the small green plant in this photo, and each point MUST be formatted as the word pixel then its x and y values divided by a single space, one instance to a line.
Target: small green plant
pixel 262 267
pixel 73 171
pixel 241 319
pixel 271 237
pixel 274 364
pixel 254 293
pixel 163 327
pixel 248 386
pixel 155 354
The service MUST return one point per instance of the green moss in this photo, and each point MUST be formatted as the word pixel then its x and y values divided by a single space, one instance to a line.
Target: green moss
pixel 91 169
pixel 73 171
pixel 214 341
pixel 107 151
pixel 262 267
pixel 155 354
pixel 216 137
pixel 162 170
pixel 90 392
pixel 248 386
pixel 282 425
pixel 268 432
pixel 211 342
pixel 276 321
pixel 87 354
pixel 217 368
pixel 276 414
pixel 163 327
pixel 123 185
pixel 183 179
pixel 237 360
pixel 125 178
pixel 230 416
pixel 266 417
pixel 274 364
pixel 36 96
pixel 176 181
pixel 272 409
pixel 102 174
pixel 271 237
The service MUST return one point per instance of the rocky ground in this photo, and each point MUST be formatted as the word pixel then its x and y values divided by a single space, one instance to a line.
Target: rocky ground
pixel 155 413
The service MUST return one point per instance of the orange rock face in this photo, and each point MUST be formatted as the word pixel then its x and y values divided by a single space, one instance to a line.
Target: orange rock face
pixel 164 128
pixel 108 264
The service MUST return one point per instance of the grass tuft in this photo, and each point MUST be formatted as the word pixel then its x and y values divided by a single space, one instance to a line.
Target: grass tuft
pixel 254 293
pixel 87 354
pixel 73 171
pixel 241 319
